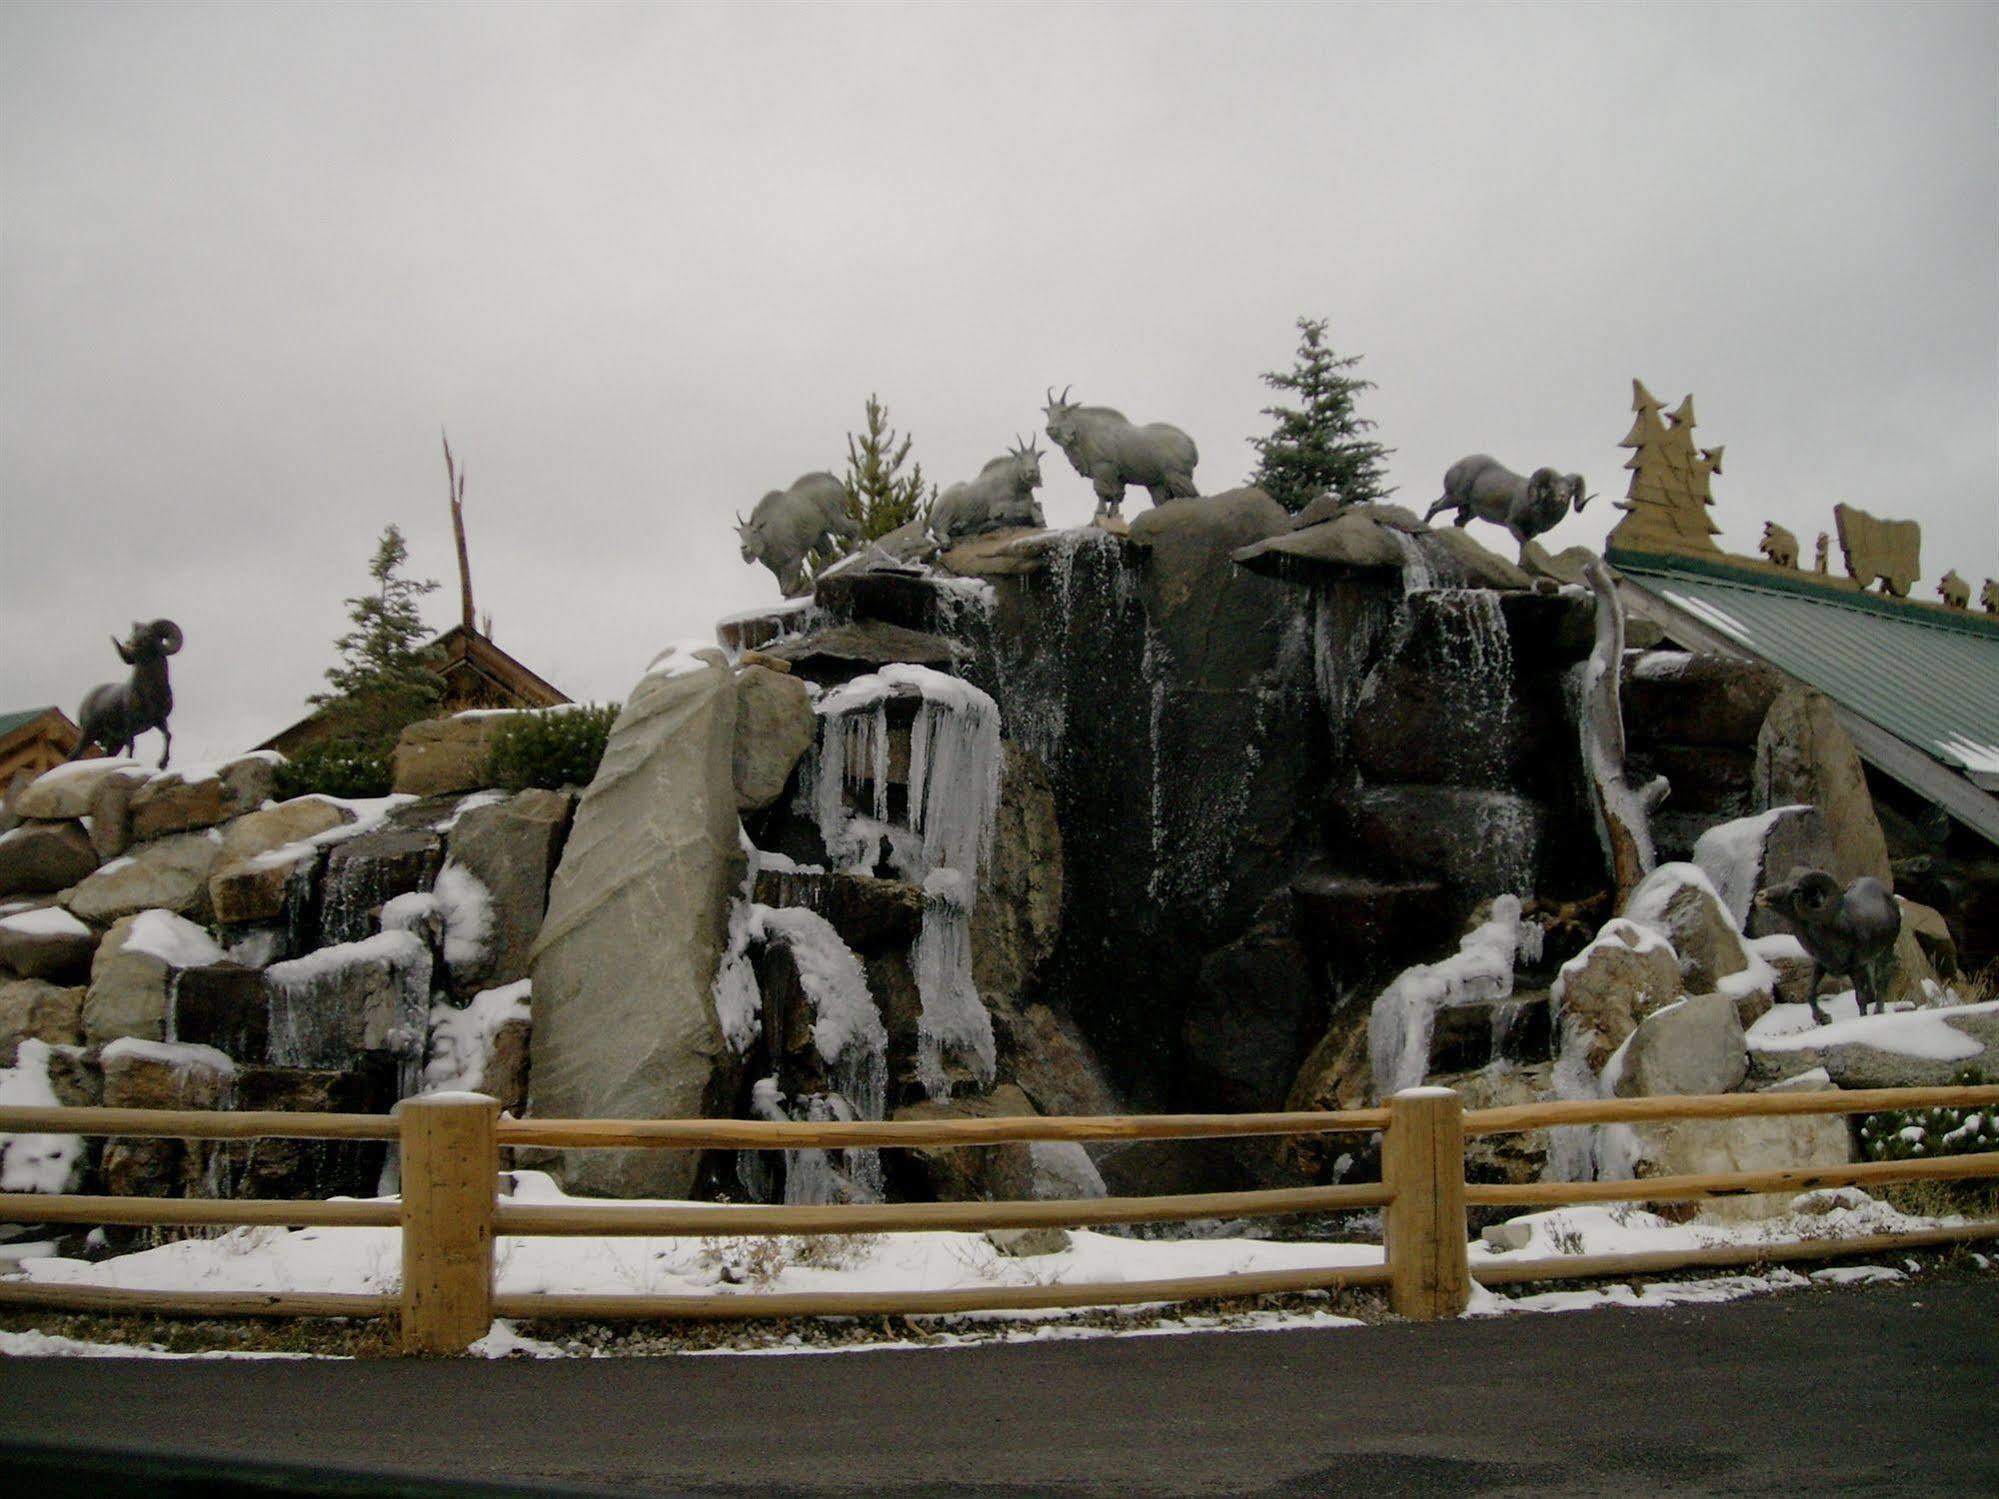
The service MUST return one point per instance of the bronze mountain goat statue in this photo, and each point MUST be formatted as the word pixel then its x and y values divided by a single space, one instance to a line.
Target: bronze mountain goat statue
pixel 115 714
pixel 1002 495
pixel 1850 931
pixel 1484 488
pixel 788 524
pixel 1112 453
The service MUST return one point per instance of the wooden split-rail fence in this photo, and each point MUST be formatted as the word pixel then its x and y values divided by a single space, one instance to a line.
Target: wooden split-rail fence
pixel 450 1210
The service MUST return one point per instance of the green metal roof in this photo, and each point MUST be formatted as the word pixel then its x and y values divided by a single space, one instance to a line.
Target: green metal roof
pixel 12 721
pixel 1927 676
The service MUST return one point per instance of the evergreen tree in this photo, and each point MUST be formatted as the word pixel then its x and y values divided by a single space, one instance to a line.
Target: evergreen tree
pixel 1319 445
pixel 382 683
pixel 880 497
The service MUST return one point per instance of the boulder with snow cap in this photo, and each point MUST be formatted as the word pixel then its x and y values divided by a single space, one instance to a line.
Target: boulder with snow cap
pixel 46 943
pixel 67 791
pixel 1677 902
pixel 169 874
pixel 333 1006
pixel 1605 990
pixel 1932 1048
pixel 132 974
pixel 184 800
pixel 158 1075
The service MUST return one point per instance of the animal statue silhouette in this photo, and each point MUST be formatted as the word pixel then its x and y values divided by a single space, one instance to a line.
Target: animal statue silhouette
pixel 789 524
pixel 1001 495
pixel 1113 453
pixel 1850 932
pixel 115 714
pixel 1481 487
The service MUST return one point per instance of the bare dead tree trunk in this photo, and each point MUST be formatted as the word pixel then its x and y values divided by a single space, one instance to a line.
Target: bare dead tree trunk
pixel 455 485
pixel 1623 811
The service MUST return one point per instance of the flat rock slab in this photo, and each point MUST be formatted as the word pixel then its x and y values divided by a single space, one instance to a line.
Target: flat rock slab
pixel 69 790
pixel 624 969
pixel 39 858
pixel 179 802
pixel 169 874
pixel 46 944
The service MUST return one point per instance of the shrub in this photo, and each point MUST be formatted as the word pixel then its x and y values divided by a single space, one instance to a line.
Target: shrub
pixel 550 749
pixel 343 768
pixel 1918 1134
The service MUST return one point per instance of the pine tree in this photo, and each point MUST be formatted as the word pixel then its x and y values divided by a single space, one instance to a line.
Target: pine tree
pixel 383 680
pixel 1319 444
pixel 880 497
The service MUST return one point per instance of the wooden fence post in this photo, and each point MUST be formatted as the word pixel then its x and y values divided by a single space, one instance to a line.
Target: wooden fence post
pixel 449 1160
pixel 1423 1163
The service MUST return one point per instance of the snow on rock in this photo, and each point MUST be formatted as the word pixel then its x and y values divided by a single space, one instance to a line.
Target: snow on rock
pixel 468 913
pixel 31 1162
pixel 461 1041
pixel 47 921
pixel 1731 855
pixel 172 939
pixel 176 1055
pixel 681 658
pixel 1926 1034
pixel 1399 1026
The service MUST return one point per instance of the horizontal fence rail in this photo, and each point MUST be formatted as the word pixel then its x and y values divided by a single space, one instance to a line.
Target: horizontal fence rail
pixel 449 1213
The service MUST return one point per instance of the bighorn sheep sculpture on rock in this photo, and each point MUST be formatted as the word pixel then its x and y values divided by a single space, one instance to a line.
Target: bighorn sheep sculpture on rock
pixel 115 714
pixel 1482 487
pixel 1850 932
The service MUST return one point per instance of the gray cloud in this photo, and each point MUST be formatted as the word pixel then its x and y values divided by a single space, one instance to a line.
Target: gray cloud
pixel 646 262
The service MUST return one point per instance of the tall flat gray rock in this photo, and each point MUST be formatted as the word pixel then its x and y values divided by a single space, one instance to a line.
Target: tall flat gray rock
pixel 511 850
pixel 625 965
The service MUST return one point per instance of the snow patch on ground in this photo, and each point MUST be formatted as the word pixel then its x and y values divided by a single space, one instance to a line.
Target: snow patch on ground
pixel 1911 1033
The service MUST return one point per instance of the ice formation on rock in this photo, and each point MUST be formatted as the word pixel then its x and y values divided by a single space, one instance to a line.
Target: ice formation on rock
pixel 1400 1024
pixel 954 769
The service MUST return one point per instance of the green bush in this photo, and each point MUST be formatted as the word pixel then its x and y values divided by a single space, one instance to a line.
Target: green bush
pixel 551 749
pixel 343 768
pixel 1918 1134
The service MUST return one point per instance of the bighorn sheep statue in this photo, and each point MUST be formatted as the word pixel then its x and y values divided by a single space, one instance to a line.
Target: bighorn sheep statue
pixel 789 523
pixel 1112 453
pixel 1001 495
pixel 1954 591
pixel 1850 932
pixel 115 714
pixel 1482 487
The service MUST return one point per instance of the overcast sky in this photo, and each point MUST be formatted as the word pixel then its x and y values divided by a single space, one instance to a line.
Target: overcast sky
pixel 646 262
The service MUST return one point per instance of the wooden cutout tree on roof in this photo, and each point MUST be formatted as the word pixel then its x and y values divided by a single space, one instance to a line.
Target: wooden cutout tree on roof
pixel 1666 508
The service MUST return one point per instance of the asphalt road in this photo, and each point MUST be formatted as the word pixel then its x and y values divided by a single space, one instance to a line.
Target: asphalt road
pixel 1887 1389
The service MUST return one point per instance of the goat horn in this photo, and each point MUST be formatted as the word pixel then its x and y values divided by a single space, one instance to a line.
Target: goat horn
pixel 169 635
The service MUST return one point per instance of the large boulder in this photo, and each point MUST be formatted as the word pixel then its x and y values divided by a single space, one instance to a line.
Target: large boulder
pixel 35 1010
pixel 332 1007
pixel 1767 1142
pixel 1484 842
pixel 223 1005
pixel 1690 1047
pixel 154 1075
pixel 624 968
pixel 48 943
pixel 1602 993
pixel 66 791
pixel 1677 902
pixel 1923 1049
pixel 38 858
pixel 1516 1157
pixel 1803 754
pixel 510 848
pixel 180 801
pixel 438 756
pixel 170 874
pixel 1047 1057
pixel 1251 1021
pixel 295 821
pixel 775 726
pixel 1748 854
pixel 132 975
pixel 989 1173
